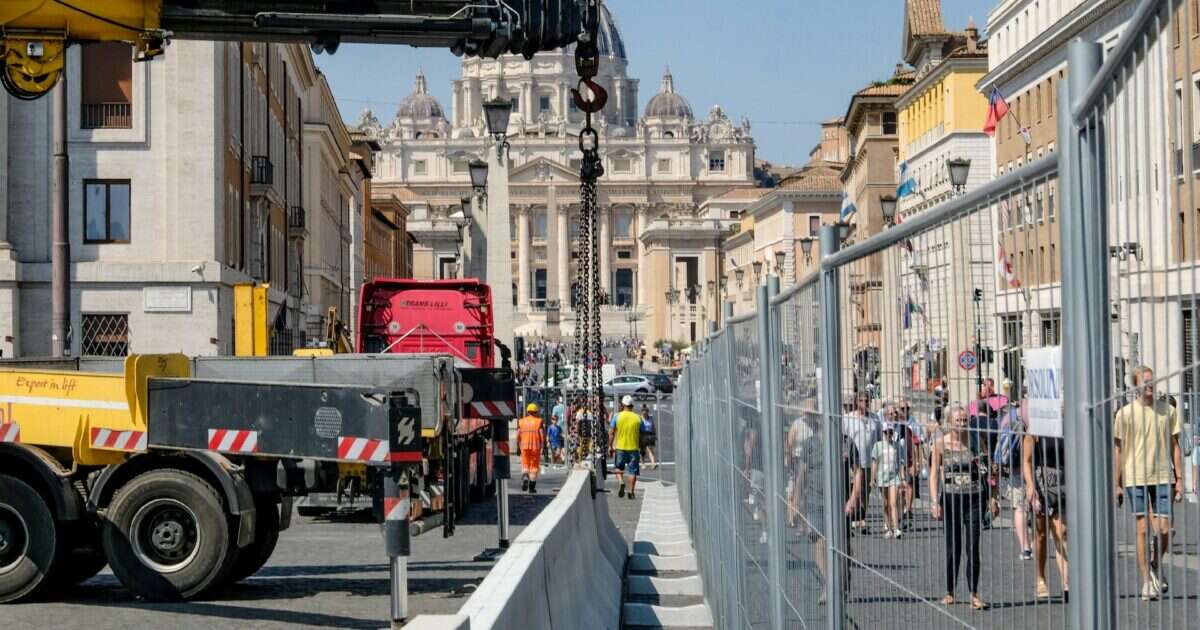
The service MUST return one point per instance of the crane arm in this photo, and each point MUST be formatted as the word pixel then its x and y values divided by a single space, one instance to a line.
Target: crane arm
pixel 34 34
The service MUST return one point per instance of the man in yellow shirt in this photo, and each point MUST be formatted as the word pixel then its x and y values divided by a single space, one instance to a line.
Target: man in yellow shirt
pixel 530 440
pixel 1146 433
pixel 624 433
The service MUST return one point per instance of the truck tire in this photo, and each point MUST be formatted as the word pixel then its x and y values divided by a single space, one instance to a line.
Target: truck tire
pixel 80 554
pixel 167 536
pixel 27 540
pixel 266 535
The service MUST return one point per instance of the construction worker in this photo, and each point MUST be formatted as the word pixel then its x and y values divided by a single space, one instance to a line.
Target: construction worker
pixel 624 433
pixel 530 440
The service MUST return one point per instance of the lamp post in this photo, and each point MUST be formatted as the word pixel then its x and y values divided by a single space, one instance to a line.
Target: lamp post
pixel 959 169
pixel 740 275
pixel 806 245
pixel 887 206
pixel 758 267
pixel 499 274
pixel 780 259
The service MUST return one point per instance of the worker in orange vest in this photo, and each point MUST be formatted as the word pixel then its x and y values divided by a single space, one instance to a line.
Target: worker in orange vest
pixel 530 440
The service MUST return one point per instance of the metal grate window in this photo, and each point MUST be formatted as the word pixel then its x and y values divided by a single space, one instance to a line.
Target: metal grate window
pixel 1189 350
pixel 105 335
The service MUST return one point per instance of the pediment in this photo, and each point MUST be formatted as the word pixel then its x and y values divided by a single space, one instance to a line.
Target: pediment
pixel 541 170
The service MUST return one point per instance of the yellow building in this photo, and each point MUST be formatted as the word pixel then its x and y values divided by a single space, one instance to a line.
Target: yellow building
pixel 930 289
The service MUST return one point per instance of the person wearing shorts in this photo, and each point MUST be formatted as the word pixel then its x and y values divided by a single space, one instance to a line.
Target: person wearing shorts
pixel 1146 435
pixel 530 440
pixel 624 433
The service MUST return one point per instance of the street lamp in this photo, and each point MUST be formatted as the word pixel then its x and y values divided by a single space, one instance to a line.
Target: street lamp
pixel 780 258
pixel 468 215
pixel 711 285
pixel 496 113
pixel 479 175
pixel 843 231
pixel 806 245
pixel 959 168
pixel 740 274
pixel 887 205
pixel 758 265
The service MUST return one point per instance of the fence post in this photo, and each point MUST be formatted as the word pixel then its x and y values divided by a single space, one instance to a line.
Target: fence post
pixel 733 593
pixel 1086 343
pixel 772 463
pixel 830 385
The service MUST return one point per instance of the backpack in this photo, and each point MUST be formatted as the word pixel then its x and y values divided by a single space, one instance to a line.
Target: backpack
pixel 1008 447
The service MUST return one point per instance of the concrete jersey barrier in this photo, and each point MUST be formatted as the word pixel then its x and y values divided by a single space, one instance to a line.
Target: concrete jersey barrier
pixel 562 572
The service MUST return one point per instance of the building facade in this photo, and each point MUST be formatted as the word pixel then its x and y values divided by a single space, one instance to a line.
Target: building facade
pixel 189 174
pixel 930 287
pixel 662 165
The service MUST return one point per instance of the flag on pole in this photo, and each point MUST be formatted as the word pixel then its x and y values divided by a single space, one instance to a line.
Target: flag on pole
pixel 1005 269
pixel 908 185
pixel 997 110
pixel 847 207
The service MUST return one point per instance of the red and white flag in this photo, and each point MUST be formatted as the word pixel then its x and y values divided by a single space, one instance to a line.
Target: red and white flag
pixel 1005 269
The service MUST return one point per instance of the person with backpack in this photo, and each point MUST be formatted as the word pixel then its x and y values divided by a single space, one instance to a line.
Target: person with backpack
pixel 649 439
pixel 1009 448
pixel 1043 463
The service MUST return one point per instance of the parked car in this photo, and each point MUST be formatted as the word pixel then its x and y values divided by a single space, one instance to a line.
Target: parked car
pixel 662 382
pixel 630 384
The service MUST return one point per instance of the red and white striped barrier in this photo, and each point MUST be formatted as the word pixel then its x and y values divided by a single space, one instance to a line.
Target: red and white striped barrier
pixel 231 441
pixel 395 509
pixel 108 439
pixel 10 433
pixel 359 449
pixel 491 409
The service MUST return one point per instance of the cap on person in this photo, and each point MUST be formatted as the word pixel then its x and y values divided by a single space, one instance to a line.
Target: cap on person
pixel 887 427
pixel 627 400
pixel 531 408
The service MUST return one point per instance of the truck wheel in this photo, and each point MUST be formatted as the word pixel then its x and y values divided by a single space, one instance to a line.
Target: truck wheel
pixel 266 534
pixel 27 539
pixel 80 554
pixel 167 536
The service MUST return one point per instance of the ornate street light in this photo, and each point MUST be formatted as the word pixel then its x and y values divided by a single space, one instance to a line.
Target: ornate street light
pixel 496 113
pixel 887 205
pixel 780 259
pixel 758 265
pixel 740 274
pixel 479 175
pixel 468 217
pixel 806 245
pixel 959 169
pixel 711 285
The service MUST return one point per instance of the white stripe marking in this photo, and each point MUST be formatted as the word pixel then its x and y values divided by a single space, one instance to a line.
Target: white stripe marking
pixel 46 401
pixel 251 443
pixel 356 448
pixel 381 452
pixel 504 408
pixel 123 440
pixel 227 441
pixel 141 443
pixel 101 438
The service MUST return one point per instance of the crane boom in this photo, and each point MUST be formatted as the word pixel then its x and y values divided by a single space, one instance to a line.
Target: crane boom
pixel 34 34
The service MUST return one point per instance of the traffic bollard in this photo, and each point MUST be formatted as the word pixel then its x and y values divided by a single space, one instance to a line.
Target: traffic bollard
pixel 396 537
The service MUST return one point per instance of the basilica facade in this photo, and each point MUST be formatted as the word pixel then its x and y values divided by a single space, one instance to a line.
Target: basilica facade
pixel 670 193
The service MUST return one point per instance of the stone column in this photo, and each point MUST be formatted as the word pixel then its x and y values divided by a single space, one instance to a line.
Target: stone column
pixel 523 278
pixel 455 101
pixel 563 268
pixel 527 103
pixel 643 212
pixel 565 94
pixel 606 249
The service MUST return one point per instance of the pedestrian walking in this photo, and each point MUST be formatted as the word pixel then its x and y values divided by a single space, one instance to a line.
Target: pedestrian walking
pixel 530 440
pixel 917 459
pixel 649 436
pixel 1147 452
pixel 860 426
pixel 1009 462
pixel 1043 463
pixel 554 442
pixel 624 435
pixel 958 488
pixel 888 470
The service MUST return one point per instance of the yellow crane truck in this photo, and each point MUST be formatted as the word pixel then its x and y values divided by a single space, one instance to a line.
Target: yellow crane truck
pixel 178 472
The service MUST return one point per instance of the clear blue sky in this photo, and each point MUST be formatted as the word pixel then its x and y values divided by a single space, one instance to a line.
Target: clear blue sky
pixel 787 64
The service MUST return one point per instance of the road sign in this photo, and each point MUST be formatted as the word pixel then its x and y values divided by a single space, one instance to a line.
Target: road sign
pixel 967 360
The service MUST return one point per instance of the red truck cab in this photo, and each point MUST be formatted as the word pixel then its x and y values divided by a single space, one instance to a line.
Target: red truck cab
pixel 404 316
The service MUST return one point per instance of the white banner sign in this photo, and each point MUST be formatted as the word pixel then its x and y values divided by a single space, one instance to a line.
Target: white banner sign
pixel 1043 377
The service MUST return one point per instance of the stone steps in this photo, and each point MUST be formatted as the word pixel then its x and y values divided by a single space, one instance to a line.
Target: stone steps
pixel 662 586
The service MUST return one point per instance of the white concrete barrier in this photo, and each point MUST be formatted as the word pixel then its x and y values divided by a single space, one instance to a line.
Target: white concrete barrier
pixel 562 572
pixel 439 622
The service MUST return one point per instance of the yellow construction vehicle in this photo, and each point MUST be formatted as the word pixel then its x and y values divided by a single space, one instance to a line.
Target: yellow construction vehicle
pixel 34 34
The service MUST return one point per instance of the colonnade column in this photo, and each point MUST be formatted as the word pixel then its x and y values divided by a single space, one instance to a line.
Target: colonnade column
pixel 642 275
pixel 563 267
pixel 606 250
pixel 523 257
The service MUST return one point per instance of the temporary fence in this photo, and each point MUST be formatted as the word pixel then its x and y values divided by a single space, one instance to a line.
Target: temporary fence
pixel 925 431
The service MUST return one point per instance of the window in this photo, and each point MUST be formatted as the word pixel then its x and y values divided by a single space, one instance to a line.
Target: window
pixel 516 104
pixel 622 165
pixel 1051 328
pixel 663 166
pixel 461 166
pixel 1190 344
pixel 104 335
pixel 544 103
pixel 716 161
pixel 814 225
pixel 107 90
pixel 624 254
pixel 623 224
pixel 668 134
pixel 447 268
pixel 420 167
pixel 1012 330
pixel 889 123
pixel 538 224
pixel 106 211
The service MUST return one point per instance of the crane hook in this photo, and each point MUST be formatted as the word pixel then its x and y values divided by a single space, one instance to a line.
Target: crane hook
pixel 599 96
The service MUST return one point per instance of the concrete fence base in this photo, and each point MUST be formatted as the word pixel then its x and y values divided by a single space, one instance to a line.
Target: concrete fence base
pixel 562 572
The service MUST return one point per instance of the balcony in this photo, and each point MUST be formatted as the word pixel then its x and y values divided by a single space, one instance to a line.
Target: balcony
pixel 106 116
pixel 297 226
pixel 261 170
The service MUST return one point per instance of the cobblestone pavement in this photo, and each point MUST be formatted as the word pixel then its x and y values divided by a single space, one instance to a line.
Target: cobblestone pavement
pixel 324 574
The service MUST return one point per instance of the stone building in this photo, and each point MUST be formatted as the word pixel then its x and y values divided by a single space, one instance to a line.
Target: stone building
pixel 189 174
pixel 662 165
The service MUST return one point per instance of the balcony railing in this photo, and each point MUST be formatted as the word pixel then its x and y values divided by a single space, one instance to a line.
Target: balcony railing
pixel 296 222
pixel 261 170
pixel 106 116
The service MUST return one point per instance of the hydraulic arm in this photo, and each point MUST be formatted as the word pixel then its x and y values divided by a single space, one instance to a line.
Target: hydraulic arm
pixel 35 33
